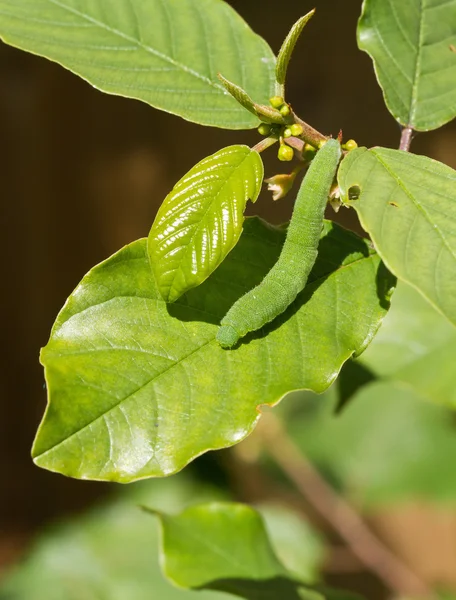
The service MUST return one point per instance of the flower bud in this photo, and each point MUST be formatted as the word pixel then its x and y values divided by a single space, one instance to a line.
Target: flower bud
pixel 276 101
pixel 350 145
pixel 285 153
pixel 264 129
pixel 296 130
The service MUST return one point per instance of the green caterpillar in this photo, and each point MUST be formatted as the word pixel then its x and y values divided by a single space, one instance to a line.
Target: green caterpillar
pixel 289 275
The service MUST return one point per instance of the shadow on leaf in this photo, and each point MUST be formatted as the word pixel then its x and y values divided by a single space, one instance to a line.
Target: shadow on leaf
pixel 276 588
pixel 245 267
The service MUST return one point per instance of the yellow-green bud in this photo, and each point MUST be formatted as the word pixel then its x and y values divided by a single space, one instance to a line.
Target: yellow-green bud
pixel 264 129
pixel 321 143
pixel 285 110
pixel 287 132
pixel 350 145
pixel 308 148
pixel 285 153
pixel 296 129
pixel 276 101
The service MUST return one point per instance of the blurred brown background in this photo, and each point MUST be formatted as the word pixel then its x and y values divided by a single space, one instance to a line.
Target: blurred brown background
pixel 82 173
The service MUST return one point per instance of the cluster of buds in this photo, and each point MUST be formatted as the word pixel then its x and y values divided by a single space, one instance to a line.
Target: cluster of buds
pixel 281 184
pixel 294 130
pixel 279 104
pixel 285 152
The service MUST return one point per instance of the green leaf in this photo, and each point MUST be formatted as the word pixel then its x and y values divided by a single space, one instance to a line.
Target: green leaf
pixel 286 51
pixel 138 388
pixel 112 551
pixel 411 43
pixel 407 203
pixel 216 541
pixel 392 445
pixel 166 54
pixel 224 546
pixel 201 219
pixel 416 346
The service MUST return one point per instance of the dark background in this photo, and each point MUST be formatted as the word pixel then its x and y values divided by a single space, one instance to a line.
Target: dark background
pixel 83 173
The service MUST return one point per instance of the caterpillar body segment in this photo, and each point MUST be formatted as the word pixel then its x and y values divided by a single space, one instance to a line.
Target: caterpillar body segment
pixel 288 276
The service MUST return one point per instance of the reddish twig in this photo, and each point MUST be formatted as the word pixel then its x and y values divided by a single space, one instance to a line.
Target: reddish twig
pixel 406 138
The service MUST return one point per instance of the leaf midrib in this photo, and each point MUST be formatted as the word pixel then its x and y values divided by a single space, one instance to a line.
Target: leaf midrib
pixel 148 49
pixel 201 225
pixel 125 399
pixel 414 98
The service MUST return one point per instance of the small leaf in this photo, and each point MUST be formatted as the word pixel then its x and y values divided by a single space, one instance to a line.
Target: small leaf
pixel 267 114
pixel 138 388
pixel 201 220
pixel 167 53
pixel 417 346
pixel 112 551
pixel 410 43
pixel 217 541
pixel 238 94
pixel 270 115
pixel 225 547
pixel 288 46
pixel 407 203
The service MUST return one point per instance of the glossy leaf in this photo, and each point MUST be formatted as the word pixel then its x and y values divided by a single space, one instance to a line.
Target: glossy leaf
pixel 407 203
pixel 392 445
pixel 416 345
pixel 225 546
pixel 411 43
pixel 201 219
pixel 138 388
pixel 167 54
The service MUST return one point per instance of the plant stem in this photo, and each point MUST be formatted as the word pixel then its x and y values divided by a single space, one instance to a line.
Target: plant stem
pixel 309 134
pixel 280 90
pixel 296 143
pixel 406 138
pixel 364 544
pixel 265 143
